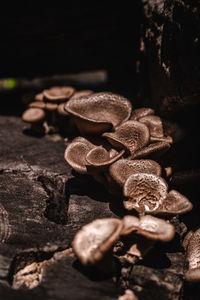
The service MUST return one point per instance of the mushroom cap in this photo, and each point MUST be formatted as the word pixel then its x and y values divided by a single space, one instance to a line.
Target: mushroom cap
pixel 75 154
pixel 141 112
pixel 175 203
pixel 82 93
pixel 37 104
pixel 165 139
pixel 51 106
pixel 95 239
pixel 33 115
pixel 61 110
pixel 99 157
pixel 153 150
pixel 154 123
pixel 39 97
pixel 193 250
pixel 123 168
pixel 193 275
pixel 187 239
pixel 131 136
pixel 98 112
pixel 150 227
pixel 58 93
pixel 145 192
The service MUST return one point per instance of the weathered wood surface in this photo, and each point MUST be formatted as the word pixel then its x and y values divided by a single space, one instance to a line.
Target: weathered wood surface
pixel 43 204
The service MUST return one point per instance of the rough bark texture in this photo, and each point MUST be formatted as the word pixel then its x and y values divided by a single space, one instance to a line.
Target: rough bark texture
pixel 172 44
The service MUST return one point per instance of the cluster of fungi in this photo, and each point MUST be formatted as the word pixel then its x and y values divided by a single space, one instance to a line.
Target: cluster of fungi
pixel 119 147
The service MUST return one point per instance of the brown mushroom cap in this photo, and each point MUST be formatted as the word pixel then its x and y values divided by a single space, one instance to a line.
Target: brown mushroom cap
pixel 145 192
pixel 39 97
pixel 37 104
pixel 130 135
pixel 51 106
pixel 123 168
pixel 33 115
pixel 193 275
pixel 154 123
pixel 80 94
pixel 75 154
pixel 99 156
pixel 193 257
pixel 61 110
pixel 149 227
pixel 175 203
pixel 187 238
pixel 141 112
pixel 58 93
pixel 165 139
pixel 98 112
pixel 153 150
pixel 95 239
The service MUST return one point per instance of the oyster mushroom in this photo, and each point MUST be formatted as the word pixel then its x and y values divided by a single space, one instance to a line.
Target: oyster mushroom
pixel 37 104
pixel 193 257
pixel 131 136
pixel 123 168
pixel 39 97
pixel 35 117
pixel 145 192
pixel 58 93
pixel 99 112
pixel 93 243
pixel 141 112
pixel 153 150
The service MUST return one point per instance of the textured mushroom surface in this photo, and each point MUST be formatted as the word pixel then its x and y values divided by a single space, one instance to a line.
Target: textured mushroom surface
pixel 153 150
pixel 123 168
pixel 95 239
pixel 58 93
pixel 99 112
pixel 154 123
pixel 131 136
pixel 61 110
pixel 174 203
pixel 33 115
pixel 75 154
pixel 193 257
pixel 141 112
pixel 144 192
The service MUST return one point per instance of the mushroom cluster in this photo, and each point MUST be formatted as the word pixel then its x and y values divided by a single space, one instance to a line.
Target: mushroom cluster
pixel 116 147
pixel 46 113
pixel 94 243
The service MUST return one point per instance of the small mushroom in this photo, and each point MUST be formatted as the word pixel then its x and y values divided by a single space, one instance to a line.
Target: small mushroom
pixel 58 93
pixel 153 150
pixel 35 116
pixel 193 257
pixel 154 123
pixel 39 97
pixel 174 204
pixel 145 192
pixel 128 295
pixel 80 94
pixel 148 226
pixel 141 112
pixel 93 243
pixel 123 168
pixel 99 112
pixel 131 136
pixel 37 104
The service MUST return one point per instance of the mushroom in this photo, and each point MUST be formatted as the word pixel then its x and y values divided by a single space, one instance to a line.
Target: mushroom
pixel 80 94
pixel 58 93
pixel 35 116
pixel 51 113
pixel 193 257
pixel 145 192
pixel 123 168
pixel 93 243
pixel 37 104
pixel 141 112
pixel 99 112
pixel 128 295
pixel 152 151
pixel 39 97
pixel 64 120
pixel 131 136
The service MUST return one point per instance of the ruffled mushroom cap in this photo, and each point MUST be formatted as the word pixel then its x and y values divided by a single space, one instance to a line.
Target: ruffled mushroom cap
pixel 149 227
pixel 100 157
pixel 61 110
pixel 75 154
pixel 141 112
pixel 80 94
pixel 130 135
pixel 193 257
pixel 39 97
pixel 175 203
pixel 95 239
pixel 153 150
pixel 33 115
pixel 154 123
pixel 144 192
pixel 187 238
pixel 37 104
pixel 123 168
pixel 58 93
pixel 99 112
